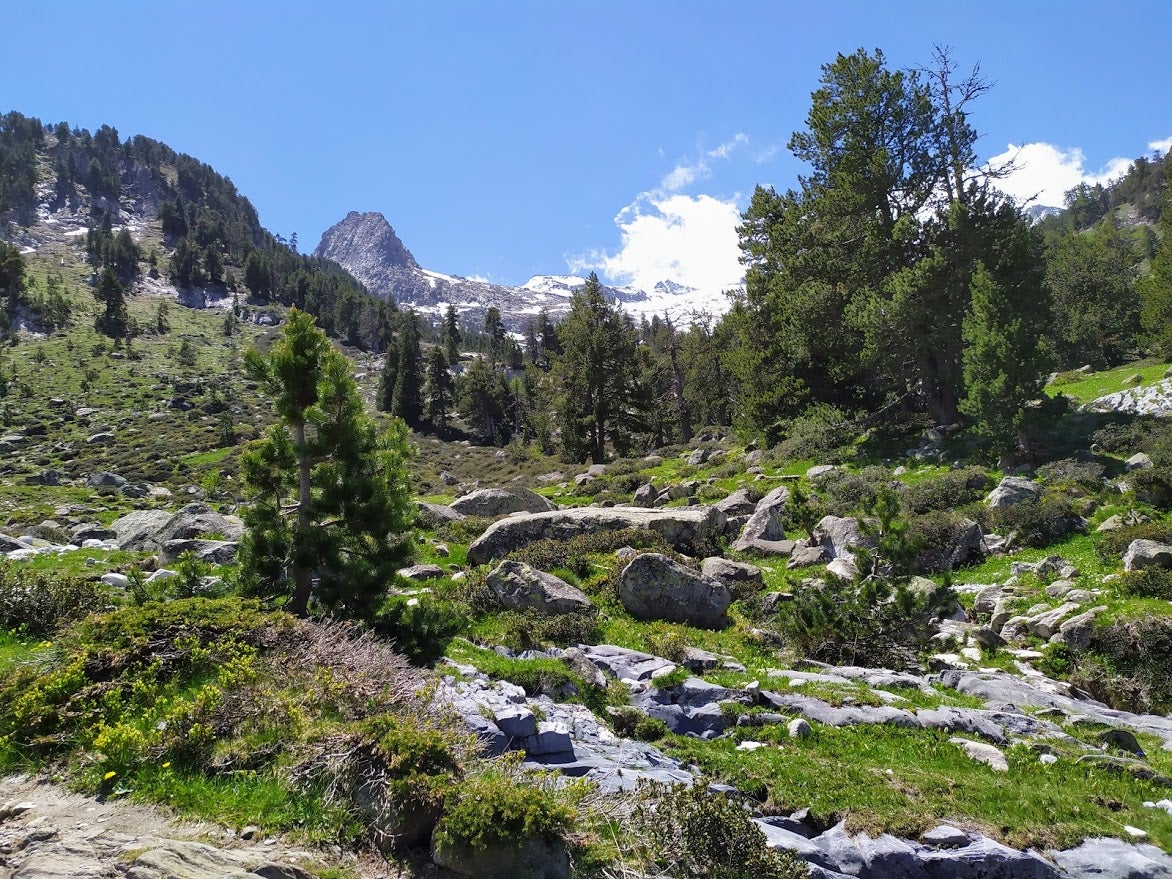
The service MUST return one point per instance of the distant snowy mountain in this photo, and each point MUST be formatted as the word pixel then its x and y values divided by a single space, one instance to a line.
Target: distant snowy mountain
pixel 1039 212
pixel 366 245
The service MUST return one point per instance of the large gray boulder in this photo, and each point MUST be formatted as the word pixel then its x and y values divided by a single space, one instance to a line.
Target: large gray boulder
pixel 740 503
pixel 151 530
pixel 433 515
pixel 135 531
pixel 655 587
pixel 1147 554
pixel 517 586
pixel 210 552
pixel 493 502
pixel 731 574
pixel 765 523
pixel 1013 490
pixel 684 528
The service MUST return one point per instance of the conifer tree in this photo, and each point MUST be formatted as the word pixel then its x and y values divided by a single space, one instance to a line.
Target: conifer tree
pixel 439 388
pixel 452 337
pixel 1156 287
pixel 331 495
pixel 407 399
pixel 112 321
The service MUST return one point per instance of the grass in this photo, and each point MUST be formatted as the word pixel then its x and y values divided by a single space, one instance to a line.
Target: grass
pixel 906 781
pixel 1110 381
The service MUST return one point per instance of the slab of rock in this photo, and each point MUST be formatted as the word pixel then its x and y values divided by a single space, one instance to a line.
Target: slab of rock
pixel 492 502
pixel 655 587
pixel 433 515
pixel 741 502
pixel 1113 859
pixel 627 665
pixel 210 552
pixel 691 707
pixel 1138 461
pixel 420 573
pixel 682 527
pixel 731 573
pixel 517 586
pixel 1145 554
pixel 1013 490
pixel 105 479
pixel 135 531
pixel 808 556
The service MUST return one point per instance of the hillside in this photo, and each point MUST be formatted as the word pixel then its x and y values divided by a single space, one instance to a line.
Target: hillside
pixel 786 622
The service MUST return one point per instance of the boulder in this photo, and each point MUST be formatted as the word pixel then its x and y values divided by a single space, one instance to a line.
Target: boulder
pixel 421 573
pixel 434 515
pixel 807 556
pixel 730 573
pixel 1013 490
pixel 1138 461
pixel 105 479
pixel 683 528
pixel 197 520
pixel 210 552
pixel 517 586
pixel 992 757
pixel 765 522
pixel 740 503
pixel 655 587
pixel 964 546
pixel 1146 554
pixel 492 502
pixel 645 496
pixel 626 665
pixel 136 530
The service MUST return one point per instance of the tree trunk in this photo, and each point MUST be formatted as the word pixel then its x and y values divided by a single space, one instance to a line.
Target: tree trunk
pixel 299 603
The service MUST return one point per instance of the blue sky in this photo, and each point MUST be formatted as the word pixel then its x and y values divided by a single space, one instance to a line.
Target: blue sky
pixel 504 139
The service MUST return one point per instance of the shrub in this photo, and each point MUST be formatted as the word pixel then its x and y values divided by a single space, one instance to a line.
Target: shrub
pixel 686 831
pixel 1110 544
pixel 632 723
pixel 1128 665
pixel 848 493
pixel 823 432
pixel 1154 486
pixel 574 554
pixel 875 622
pixel 494 807
pixel 1038 523
pixel 1070 472
pixel 1150 582
pixel 956 488
pixel 525 630
pixel 39 604
pixel 935 535
pixel 420 627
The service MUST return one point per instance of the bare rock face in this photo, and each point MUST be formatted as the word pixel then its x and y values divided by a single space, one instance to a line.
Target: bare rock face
pixel 654 587
pixel 684 528
pixel 367 246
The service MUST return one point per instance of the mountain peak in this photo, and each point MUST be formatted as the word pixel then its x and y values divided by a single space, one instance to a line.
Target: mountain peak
pixel 367 244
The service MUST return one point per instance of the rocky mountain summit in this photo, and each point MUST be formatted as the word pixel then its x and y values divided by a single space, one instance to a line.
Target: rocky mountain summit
pixel 366 245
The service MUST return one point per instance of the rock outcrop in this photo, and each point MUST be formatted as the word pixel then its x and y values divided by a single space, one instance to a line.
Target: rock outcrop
pixel 655 587
pixel 684 528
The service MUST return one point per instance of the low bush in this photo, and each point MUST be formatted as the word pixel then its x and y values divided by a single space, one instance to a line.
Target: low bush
pixel 1071 473
pixel 849 493
pixel 496 806
pixel 1110 545
pixel 420 627
pixel 574 554
pixel 683 830
pixel 823 433
pixel 1038 523
pixel 1128 665
pixel 1149 582
pixel 525 630
pixel 1154 486
pixel 956 488
pixel 876 622
pixel 38 604
pixel 632 723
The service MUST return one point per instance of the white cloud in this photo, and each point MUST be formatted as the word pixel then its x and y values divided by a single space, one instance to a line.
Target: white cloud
pixel 691 240
pixel 725 149
pixel 1044 172
pixel 765 155
pixel 687 173
pixel 1161 146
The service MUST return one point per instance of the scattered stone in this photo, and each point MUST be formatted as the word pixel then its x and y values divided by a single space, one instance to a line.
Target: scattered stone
pixel 1013 490
pixel 517 586
pixel 1147 553
pixel 433 515
pixel 655 587
pixel 1138 461
pixel 983 753
pixel 731 574
pixel 798 728
pixel 421 573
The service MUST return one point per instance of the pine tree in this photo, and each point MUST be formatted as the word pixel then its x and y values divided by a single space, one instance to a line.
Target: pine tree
pixel 1156 287
pixel 452 337
pixel 112 321
pixel 407 400
pixel 331 495
pixel 1003 361
pixel 596 371
pixel 438 389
